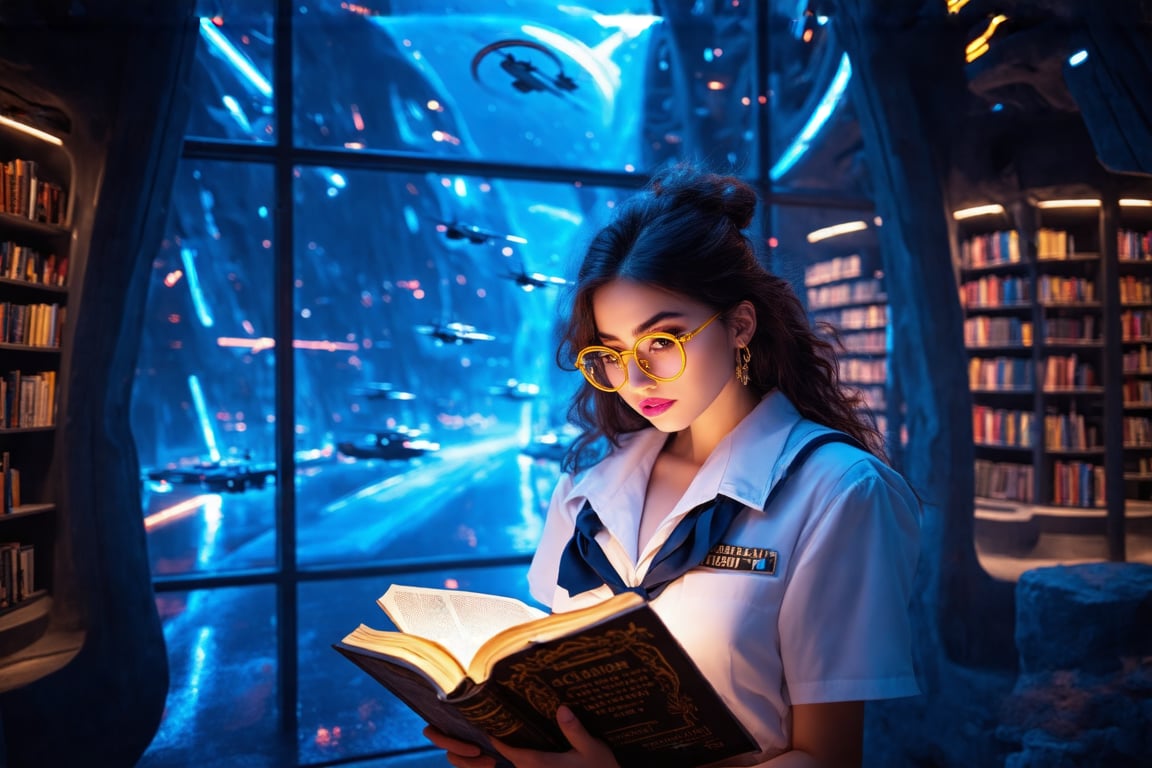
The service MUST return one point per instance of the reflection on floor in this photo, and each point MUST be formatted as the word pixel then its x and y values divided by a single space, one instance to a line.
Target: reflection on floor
pixel 1010 541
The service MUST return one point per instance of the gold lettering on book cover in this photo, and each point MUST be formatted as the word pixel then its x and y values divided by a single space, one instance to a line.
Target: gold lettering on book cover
pixel 611 674
pixel 491 716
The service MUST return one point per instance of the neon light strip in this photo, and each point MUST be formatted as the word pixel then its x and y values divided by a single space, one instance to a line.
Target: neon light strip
pixel 194 288
pixel 177 511
pixel 266 342
pixel 835 230
pixel 234 57
pixel 202 417
pixel 816 122
pixel 978 210
pixel 36 132
pixel 979 45
pixel 1083 203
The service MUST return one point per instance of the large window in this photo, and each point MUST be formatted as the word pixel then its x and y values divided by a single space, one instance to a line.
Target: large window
pixel 348 374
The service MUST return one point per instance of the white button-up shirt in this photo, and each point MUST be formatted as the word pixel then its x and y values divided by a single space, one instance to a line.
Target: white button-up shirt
pixel 830 623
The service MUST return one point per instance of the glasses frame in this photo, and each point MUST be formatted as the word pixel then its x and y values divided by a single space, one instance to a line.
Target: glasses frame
pixel 680 340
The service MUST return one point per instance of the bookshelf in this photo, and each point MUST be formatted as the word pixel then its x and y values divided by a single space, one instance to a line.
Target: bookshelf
pixel 996 284
pixel 1134 273
pixel 35 246
pixel 844 287
pixel 1034 281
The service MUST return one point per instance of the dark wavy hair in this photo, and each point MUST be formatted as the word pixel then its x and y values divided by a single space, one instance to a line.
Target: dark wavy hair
pixel 684 233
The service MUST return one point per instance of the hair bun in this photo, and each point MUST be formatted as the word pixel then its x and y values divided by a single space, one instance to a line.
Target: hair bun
pixel 686 185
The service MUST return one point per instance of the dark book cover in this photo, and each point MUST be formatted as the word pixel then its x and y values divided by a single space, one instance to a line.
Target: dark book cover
pixel 627 679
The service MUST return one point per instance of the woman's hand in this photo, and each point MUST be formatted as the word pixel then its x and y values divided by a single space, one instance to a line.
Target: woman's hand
pixel 462 754
pixel 586 752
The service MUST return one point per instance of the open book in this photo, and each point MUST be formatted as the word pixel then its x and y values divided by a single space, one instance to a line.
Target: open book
pixel 477 665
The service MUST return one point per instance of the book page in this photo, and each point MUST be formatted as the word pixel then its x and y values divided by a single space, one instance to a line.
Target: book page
pixel 458 620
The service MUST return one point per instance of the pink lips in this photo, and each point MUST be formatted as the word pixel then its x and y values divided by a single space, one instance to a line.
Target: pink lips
pixel 654 406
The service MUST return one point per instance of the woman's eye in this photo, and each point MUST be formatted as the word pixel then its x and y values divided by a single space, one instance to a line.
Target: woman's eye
pixel 607 358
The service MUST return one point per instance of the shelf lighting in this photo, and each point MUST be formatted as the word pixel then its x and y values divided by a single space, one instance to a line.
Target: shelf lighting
pixel 992 209
pixel 1132 202
pixel 1087 202
pixel 35 132
pixel 835 230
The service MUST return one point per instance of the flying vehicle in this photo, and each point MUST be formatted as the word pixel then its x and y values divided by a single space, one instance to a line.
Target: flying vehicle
pixel 454 333
pixel 388 444
pixel 526 76
pixel 457 230
pixel 516 390
pixel 382 390
pixel 221 476
pixel 530 281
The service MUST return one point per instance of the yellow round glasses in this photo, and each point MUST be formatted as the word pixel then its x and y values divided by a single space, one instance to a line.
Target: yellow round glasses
pixel 660 356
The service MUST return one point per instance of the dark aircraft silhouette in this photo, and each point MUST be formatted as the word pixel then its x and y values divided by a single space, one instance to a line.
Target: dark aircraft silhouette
pixel 516 390
pixel 532 281
pixel 454 333
pixel 456 230
pixel 526 76
pixel 382 390
pixel 388 444
pixel 223 476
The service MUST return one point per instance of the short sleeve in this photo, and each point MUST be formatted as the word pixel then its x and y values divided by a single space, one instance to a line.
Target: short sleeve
pixel 558 527
pixel 845 627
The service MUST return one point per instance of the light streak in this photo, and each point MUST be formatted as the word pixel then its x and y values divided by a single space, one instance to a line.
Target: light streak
pixel 187 255
pixel 202 417
pixel 261 343
pixel 35 132
pixel 836 230
pixel 181 510
pixel 816 122
pixel 234 57
pixel 978 210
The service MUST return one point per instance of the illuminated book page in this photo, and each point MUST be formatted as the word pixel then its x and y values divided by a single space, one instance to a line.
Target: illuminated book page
pixel 460 621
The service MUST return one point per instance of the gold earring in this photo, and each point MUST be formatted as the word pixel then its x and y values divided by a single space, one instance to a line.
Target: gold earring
pixel 743 356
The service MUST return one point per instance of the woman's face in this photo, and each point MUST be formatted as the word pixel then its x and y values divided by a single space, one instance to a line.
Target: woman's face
pixel 625 311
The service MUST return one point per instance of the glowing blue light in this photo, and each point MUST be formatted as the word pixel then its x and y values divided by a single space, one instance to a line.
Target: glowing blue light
pixel 202 416
pixel 337 180
pixel 708 56
pixel 187 255
pixel 997 107
pixel 238 115
pixel 581 54
pixel 460 187
pixel 234 57
pixel 411 219
pixel 816 121
pixel 631 24
pixel 1078 58
pixel 262 211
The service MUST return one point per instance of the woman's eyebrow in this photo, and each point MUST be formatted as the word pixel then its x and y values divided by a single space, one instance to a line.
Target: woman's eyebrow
pixel 644 326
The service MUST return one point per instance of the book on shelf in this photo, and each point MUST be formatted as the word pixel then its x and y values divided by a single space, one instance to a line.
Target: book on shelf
pixel 478 666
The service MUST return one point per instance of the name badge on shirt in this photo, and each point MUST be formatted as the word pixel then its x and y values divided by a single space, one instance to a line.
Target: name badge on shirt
pixel 730 557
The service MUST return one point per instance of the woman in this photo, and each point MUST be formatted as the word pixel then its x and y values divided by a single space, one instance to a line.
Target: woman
pixel 705 385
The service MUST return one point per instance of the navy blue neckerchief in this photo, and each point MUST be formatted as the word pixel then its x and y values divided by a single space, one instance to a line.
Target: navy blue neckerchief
pixel 584 566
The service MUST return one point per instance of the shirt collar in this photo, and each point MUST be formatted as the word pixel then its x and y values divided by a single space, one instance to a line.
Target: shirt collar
pixel 743 466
